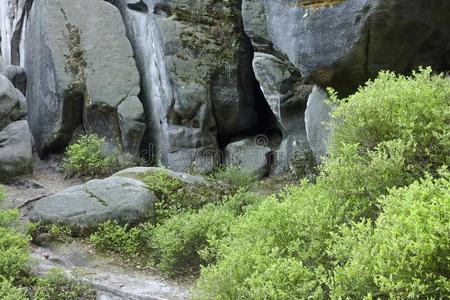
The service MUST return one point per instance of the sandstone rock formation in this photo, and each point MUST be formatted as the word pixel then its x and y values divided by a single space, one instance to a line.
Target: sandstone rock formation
pixel 80 69
pixel 197 80
pixel 343 43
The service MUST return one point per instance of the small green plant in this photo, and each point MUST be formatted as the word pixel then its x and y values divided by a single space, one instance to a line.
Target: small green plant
pixel 86 158
pixel 235 176
pixel 113 236
pixel 55 286
pixel 175 196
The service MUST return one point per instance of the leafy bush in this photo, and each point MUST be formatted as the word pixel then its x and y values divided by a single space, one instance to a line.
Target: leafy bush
pixel 14 257
pixel 113 236
pixel 281 249
pixel 55 286
pixel 86 158
pixel 175 196
pixel 9 292
pixel 180 243
pixel 178 240
pixel 406 254
pixel 412 109
pixel 235 176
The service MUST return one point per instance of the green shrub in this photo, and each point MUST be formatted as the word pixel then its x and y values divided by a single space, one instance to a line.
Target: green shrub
pixel 175 196
pixel 55 286
pixel 235 176
pixel 14 257
pixel 412 109
pixel 86 158
pixel 113 236
pixel 10 292
pixel 406 254
pixel 178 241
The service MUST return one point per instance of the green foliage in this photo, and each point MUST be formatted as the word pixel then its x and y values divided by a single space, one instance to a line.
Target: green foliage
pixel 177 242
pixel 9 292
pixel 406 254
pixel 235 176
pixel 55 286
pixel 414 110
pixel 14 256
pixel 113 236
pixel 315 241
pixel 181 243
pixel 175 196
pixel 86 158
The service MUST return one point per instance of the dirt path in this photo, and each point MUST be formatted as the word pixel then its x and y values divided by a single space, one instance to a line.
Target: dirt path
pixel 111 281
pixel 47 179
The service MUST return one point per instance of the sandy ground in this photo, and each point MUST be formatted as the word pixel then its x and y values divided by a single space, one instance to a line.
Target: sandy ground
pixel 47 179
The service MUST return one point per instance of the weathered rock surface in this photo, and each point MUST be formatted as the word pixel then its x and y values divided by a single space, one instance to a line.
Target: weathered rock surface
pixel 80 68
pixel 317 115
pixel 13 105
pixel 250 155
pixel 15 151
pixel 343 43
pixel 86 206
pixel 286 95
pixel 195 65
pixel 13 20
pixel 17 76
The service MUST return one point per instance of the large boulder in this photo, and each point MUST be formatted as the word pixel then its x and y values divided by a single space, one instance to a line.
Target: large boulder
pixel 80 69
pixel 85 207
pixel 249 154
pixel 16 156
pixel 197 80
pixel 12 103
pixel 343 43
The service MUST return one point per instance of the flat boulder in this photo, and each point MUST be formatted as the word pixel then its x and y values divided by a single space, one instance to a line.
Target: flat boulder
pixel 85 207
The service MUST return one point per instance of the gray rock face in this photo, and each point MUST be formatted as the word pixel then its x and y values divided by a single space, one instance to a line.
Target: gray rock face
pixel 80 68
pixel 286 95
pixel 250 155
pixel 255 24
pixel 317 115
pixel 86 206
pixel 132 125
pixel 13 20
pixel 344 43
pixel 17 76
pixel 15 151
pixel 197 81
pixel 12 103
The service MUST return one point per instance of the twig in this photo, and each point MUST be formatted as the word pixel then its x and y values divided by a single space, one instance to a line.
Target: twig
pixel 32 200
